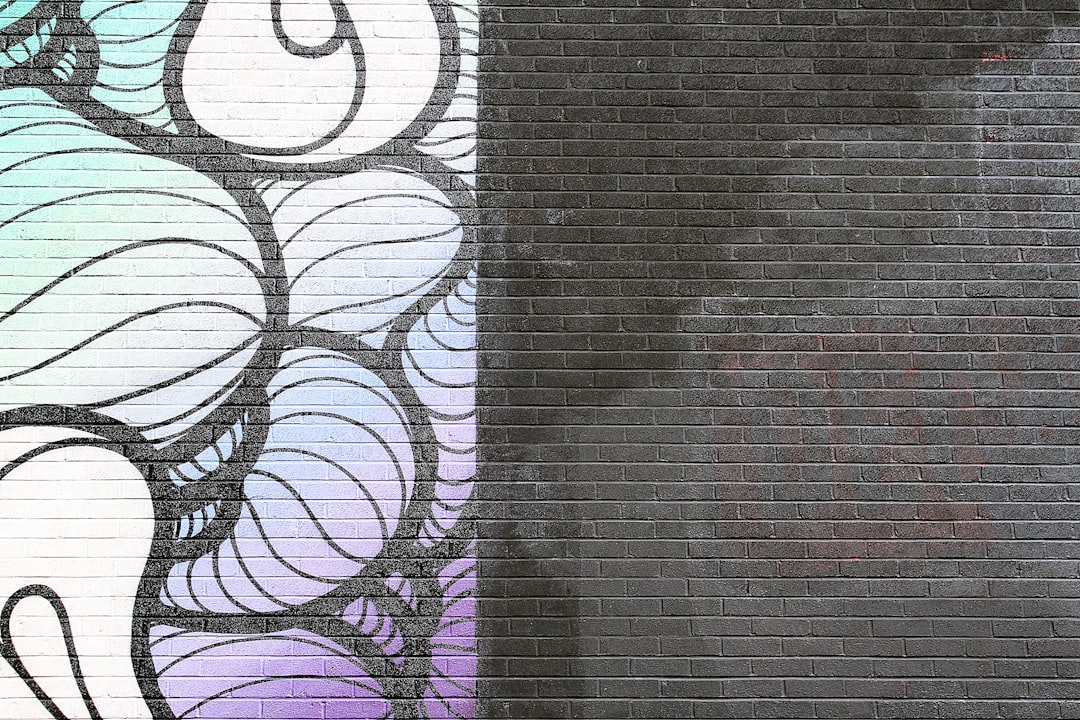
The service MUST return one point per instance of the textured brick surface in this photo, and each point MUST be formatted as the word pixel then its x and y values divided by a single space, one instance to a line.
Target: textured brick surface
pixel 782 378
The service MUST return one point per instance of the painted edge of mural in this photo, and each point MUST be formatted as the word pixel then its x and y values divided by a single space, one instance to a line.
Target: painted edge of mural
pixel 238 359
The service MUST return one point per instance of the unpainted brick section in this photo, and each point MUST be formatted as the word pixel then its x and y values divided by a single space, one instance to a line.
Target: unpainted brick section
pixel 782 370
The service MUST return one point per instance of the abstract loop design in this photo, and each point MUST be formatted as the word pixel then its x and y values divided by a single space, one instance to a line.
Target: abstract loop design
pixel 237 359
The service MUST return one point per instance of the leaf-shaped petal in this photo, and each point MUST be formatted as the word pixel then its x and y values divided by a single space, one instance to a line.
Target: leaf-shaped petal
pixel 294 674
pixel 242 82
pixel 453 138
pixel 361 248
pixel 130 283
pixel 133 39
pixel 75 517
pixel 327 492
pixel 452 693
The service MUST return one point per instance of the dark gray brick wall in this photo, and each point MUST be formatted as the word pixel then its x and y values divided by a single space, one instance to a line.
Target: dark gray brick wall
pixel 782 359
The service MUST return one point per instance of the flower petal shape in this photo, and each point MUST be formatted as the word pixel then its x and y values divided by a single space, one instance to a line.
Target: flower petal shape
pixel 440 363
pixel 76 526
pixel 326 494
pixel 133 39
pixel 321 83
pixel 453 138
pixel 361 248
pixel 291 674
pixel 130 283
pixel 452 692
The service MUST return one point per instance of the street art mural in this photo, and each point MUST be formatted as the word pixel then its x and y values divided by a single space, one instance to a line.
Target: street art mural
pixel 237 364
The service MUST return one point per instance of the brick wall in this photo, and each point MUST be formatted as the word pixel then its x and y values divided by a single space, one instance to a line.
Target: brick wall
pixel 237 359
pixel 780 371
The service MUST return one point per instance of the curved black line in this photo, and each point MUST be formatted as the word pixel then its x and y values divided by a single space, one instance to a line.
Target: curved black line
pixel 429 141
pixel 305 51
pixel 402 478
pixel 463 8
pixel 191 586
pixel 215 556
pixel 135 66
pixel 209 404
pixel 438 383
pixel 376 690
pixel 183 474
pixel 458 118
pixel 217 451
pixel 69 123
pixel 456 315
pixel 247 573
pixel 44 448
pixel 133 191
pixel 367 198
pixel 284 198
pixel 208 365
pixel 119 250
pixel 23 104
pixel 261 159
pixel 70 151
pixel 178 631
pixel 344 33
pixel 446 677
pixel 455 451
pixel 387 396
pixel 197 464
pixel 470 567
pixel 435 337
pixel 130 41
pixel 333 345
pixel 364 245
pixel 17 32
pixel 257 520
pixel 254 638
pixel 315 521
pixel 427 280
pixel 9 653
pixel 118 5
pixel 450 417
pixel 149 113
pixel 127 321
pixel 136 89
pixel 361 201
pixel 450 511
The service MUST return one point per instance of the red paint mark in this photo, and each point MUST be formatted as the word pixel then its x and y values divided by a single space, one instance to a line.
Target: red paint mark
pixel 991 56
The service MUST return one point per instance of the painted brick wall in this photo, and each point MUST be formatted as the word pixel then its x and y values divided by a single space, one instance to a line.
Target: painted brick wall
pixel 780 410
pixel 777 309
pixel 237 359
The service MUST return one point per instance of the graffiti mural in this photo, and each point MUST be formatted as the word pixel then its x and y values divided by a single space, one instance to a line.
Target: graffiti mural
pixel 237 359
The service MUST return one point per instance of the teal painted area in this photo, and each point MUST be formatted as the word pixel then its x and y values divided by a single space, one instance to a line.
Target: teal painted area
pixel 69 192
pixel 12 12
pixel 133 40
pixel 20 52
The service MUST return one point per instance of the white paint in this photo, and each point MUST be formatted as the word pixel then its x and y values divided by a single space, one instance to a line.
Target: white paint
pixel 78 519
pixel 241 85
